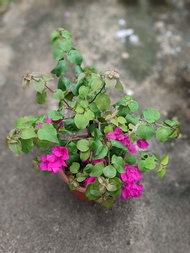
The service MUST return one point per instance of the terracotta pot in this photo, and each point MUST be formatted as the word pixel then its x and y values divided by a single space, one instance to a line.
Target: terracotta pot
pixel 79 192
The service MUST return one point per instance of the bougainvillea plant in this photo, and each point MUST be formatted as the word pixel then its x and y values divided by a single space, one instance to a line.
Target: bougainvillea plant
pixel 102 146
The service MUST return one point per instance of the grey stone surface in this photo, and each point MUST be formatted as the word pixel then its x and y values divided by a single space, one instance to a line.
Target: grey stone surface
pixel 38 214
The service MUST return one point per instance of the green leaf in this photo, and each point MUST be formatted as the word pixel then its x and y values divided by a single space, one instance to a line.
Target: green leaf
pixel 118 163
pixel 131 159
pixel 65 34
pixel 109 171
pixel 79 109
pixel 147 164
pixel 132 119
pixel 161 171
pixel 163 134
pixel 26 145
pixel 112 186
pixel 70 126
pixel 164 160
pixel 59 94
pixel 121 120
pixel 74 168
pixel 48 132
pixel 15 147
pixel 150 163
pixel 27 133
pixel 119 85
pixel 171 123
pixel 151 115
pixel 63 83
pixel 102 101
pixel 123 110
pixel 80 177
pixel 145 132
pixel 55 115
pixel 85 155
pixel 47 78
pixel 133 106
pixel 75 57
pixel 97 170
pixel 93 107
pixel 118 144
pixel 84 103
pixel 58 53
pixel 97 83
pixel 96 147
pixel 60 68
pixel 42 144
pixel 83 91
pixel 80 121
pixel 83 145
pixel 65 45
pixel 41 97
pixel 39 85
pixel 141 165
pixel 89 115
pixel 92 190
pixel 103 152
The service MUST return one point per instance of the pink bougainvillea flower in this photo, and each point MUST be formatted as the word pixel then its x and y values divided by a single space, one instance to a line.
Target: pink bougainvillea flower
pixel 132 190
pixel 89 180
pixel 39 125
pixel 117 134
pixel 142 144
pixel 60 151
pixel 44 163
pixel 53 162
pixel 132 148
pixel 48 120
pixel 131 174
pixel 126 141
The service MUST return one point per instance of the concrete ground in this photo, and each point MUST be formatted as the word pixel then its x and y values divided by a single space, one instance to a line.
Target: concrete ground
pixel 38 214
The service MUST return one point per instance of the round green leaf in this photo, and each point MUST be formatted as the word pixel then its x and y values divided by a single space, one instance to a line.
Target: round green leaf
pixel 55 115
pixel 164 160
pixel 102 101
pixel 133 106
pixel 150 163
pixel 145 132
pixel 163 134
pixel 75 57
pixel 83 145
pixel 109 171
pixel 27 133
pixel 39 85
pixel 97 169
pixel 131 159
pixel 41 97
pixel 60 68
pixel 74 168
pixel 151 115
pixel 15 147
pixel 48 132
pixel 89 115
pixel 85 155
pixel 80 121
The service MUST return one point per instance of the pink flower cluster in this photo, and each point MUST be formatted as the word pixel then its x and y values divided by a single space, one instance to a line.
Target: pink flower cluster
pixel 53 162
pixel 118 135
pixel 131 176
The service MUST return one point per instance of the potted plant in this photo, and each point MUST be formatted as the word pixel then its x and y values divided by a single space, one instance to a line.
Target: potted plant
pixel 100 148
